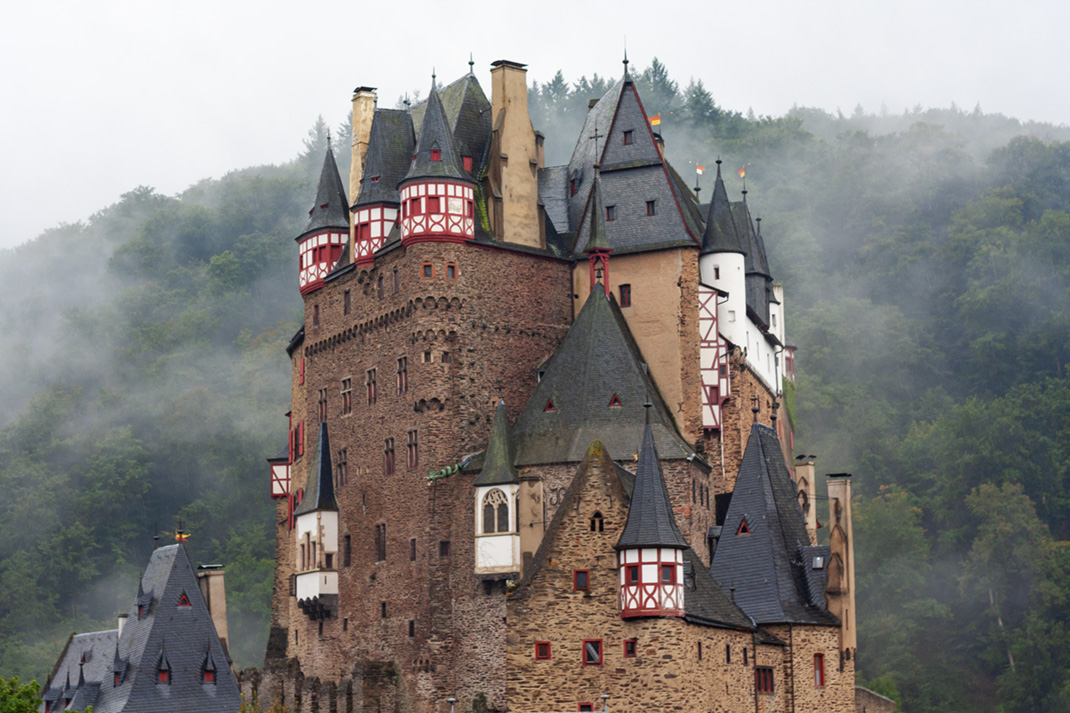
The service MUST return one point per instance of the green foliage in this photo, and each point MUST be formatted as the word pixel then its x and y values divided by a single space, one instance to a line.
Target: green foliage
pixel 18 697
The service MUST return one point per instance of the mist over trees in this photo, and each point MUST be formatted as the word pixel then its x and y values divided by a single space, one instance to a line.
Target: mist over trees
pixel 926 263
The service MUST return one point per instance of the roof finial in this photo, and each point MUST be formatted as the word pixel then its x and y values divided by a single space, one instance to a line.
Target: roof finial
pixel 625 56
pixel 471 64
pixel 433 78
pixel 744 190
pixel 328 138
pixel 155 537
pixel 755 407
pixel 646 408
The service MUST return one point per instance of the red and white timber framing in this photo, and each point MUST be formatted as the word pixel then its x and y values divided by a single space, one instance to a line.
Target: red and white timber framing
pixel 437 211
pixel 374 224
pixel 651 581
pixel 713 359
pixel 317 255
pixel 280 479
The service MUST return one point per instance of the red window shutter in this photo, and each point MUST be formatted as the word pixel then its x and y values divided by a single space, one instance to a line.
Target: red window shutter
pixel 301 438
pixel 301 374
pixel 467 163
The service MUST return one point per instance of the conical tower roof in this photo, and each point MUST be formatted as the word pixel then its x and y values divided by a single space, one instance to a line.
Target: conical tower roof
pixel 331 209
pixel 498 468
pixel 435 135
pixel 721 235
pixel 319 493
pixel 593 227
pixel 390 147
pixel 650 519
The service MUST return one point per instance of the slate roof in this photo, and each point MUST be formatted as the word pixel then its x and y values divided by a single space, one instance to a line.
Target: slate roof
pixel 319 491
pixel 721 234
pixel 498 466
pixel 650 519
pixel 391 144
pixel 706 603
pixel 435 134
pixel 331 209
pixel 183 634
pixel 592 232
pixel 98 647
pixel 769 567
pixel 597 359
pixel 553 191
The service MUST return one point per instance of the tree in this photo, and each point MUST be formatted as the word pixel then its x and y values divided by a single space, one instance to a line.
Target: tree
pixel 16 697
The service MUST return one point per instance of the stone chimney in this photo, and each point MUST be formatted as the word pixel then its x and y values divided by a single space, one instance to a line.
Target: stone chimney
pixel 210 581
pixel 806 493
pixel 364 99
pixel 841 572
pixel 513 195
pixel 122 623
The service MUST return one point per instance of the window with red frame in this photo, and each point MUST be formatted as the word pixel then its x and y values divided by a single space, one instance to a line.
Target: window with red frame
pixel 629 137
pixel 370 383
pixel 581 580
pixel 163 676
pixel 625 295
pixel 436 154
pixel 347 396
pixel 467 161
pixel 322 404
pixel 763 679
pixel 631 574
pixel 427 271
pixel 388 456
pixel 611 212
pixel 651 207
pixel 819 670
pixel 542 650
pixel 592 652
pixel 209 676
pixel 630 647
pixel 668 574
pixel 586 707
pixel 183 601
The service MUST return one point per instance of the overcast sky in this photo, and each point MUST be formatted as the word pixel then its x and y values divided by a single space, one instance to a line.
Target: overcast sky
pixel 100 97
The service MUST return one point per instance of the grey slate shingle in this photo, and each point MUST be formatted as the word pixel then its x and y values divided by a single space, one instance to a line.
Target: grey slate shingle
pixel 650 519
pixel 721 234
pixel 331 209
pixel 498 468
pixel 391 143
pixel 435 134
pixel 319 492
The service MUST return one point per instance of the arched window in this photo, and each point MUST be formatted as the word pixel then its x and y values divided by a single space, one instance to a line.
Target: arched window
pixel 598 524
pixel 495 512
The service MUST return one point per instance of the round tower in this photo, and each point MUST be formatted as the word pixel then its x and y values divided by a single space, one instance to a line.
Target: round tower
pixel 722 263
pixel 437 194
pixel 327 232
pixel 650 552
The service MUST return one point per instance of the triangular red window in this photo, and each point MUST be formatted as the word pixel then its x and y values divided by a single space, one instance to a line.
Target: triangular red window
pixel 183 601
pixel 614 402
pixel 743 529
pixel 549 406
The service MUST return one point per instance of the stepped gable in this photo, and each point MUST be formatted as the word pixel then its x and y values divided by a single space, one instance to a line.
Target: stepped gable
pixel 435 134
pixel 721 234
pixel 650 519
pixel 98 650
pixel 769 562
pixel 331 209
pixel 319 492
pixel 632 174
pixel 498 468
pixel 391 142
pixel 597 360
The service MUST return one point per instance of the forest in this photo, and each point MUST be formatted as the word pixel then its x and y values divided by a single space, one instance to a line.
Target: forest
pixel 926 262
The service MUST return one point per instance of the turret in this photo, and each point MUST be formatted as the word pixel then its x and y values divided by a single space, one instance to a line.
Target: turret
pixel 806 493
pixel 497 534
pixel 840 590
pixel 437 194
pixel 388 156
pixel 650 552
pixel 593 230
pixel 327 232
pixel 316 530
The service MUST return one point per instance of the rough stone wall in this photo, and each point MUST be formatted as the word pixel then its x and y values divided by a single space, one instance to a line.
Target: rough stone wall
pixel 465 340
pixel 795 680
pixel 738 418
pixel 866 701
pixel 667 672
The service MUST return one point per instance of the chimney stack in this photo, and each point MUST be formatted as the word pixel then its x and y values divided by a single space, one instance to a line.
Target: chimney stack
pixel 513 198
pixel 122 623
pixel 364 99
pixel 841 573
pixel 806 493
pixel 210 581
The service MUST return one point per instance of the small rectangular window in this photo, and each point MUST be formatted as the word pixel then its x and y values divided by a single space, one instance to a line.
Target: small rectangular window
pixel 322 404
pixel 346 303
pixel 467 161
pixel 651 208
pixel 631 574
pixel 668 574
pixel 625 295
pixel 412 628
pixel 444 548
pixel 403 375
pixel 372 391
pixel 388 456
pixel 412 549
pixel 427 357
pixel 630 647
pixel 347 551
pixel 436 154
pixel 763 679
pixel 580 580
pixel 542 650
pixel 315 315
pixel 585 707
pixel 380 542
pixel 446 358
pixel 629 137
pixel 451 271
pixel 397 282
pixel 716 273
pixel 592 652
pixel 728 653
pixel 413 451
pixel 819 670
pixel 382 610
pixel 611 212
pixel 301 371
pixel 347 396
pixel 427 271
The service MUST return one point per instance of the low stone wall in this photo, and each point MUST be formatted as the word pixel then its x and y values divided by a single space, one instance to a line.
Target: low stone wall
pixel 866 701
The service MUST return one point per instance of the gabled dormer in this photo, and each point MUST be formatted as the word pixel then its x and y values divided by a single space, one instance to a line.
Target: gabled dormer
pixel 437 194
pixel 316 531
pixel 327 232
pixel 497 486
pixel 650 552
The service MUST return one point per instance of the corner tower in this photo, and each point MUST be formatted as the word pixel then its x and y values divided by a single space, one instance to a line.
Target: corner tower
pixel 327 232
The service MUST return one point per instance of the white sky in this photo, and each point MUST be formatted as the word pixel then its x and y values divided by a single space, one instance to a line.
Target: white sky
pixel 100 97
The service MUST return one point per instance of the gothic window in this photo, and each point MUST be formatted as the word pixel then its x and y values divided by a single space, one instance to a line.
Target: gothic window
pixel 819 670
pixel 413 448
pixel 403 375
pixel 347 396
pixel 495 512
pixel 592 652
pixel 598 523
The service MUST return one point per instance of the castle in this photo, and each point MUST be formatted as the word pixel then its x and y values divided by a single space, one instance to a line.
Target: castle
pixel 538 458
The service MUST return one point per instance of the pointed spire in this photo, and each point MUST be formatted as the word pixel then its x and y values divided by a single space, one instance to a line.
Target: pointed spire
pixel 331 209
pixel 650 519
pixel 597 239
pixel 625 60
pixel 498 468
pixel 721 233
pixel 435 155
pixel 319 493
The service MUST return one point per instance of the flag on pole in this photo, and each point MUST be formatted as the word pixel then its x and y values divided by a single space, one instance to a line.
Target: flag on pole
pixel 181 536
pixel 700 169
pixel 656 119
pixel 743 171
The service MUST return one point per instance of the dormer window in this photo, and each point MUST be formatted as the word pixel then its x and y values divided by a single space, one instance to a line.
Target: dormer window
pixel 163 676
pixel 140 611
pixel 614 402
pixel 550 408
pixel 743 529
pixel 183 600
pixel 629 137
pixel 611 212
pixel 467 160
pixel 208 677
pixel 651 207
pixel 116 679
pixel 436 155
